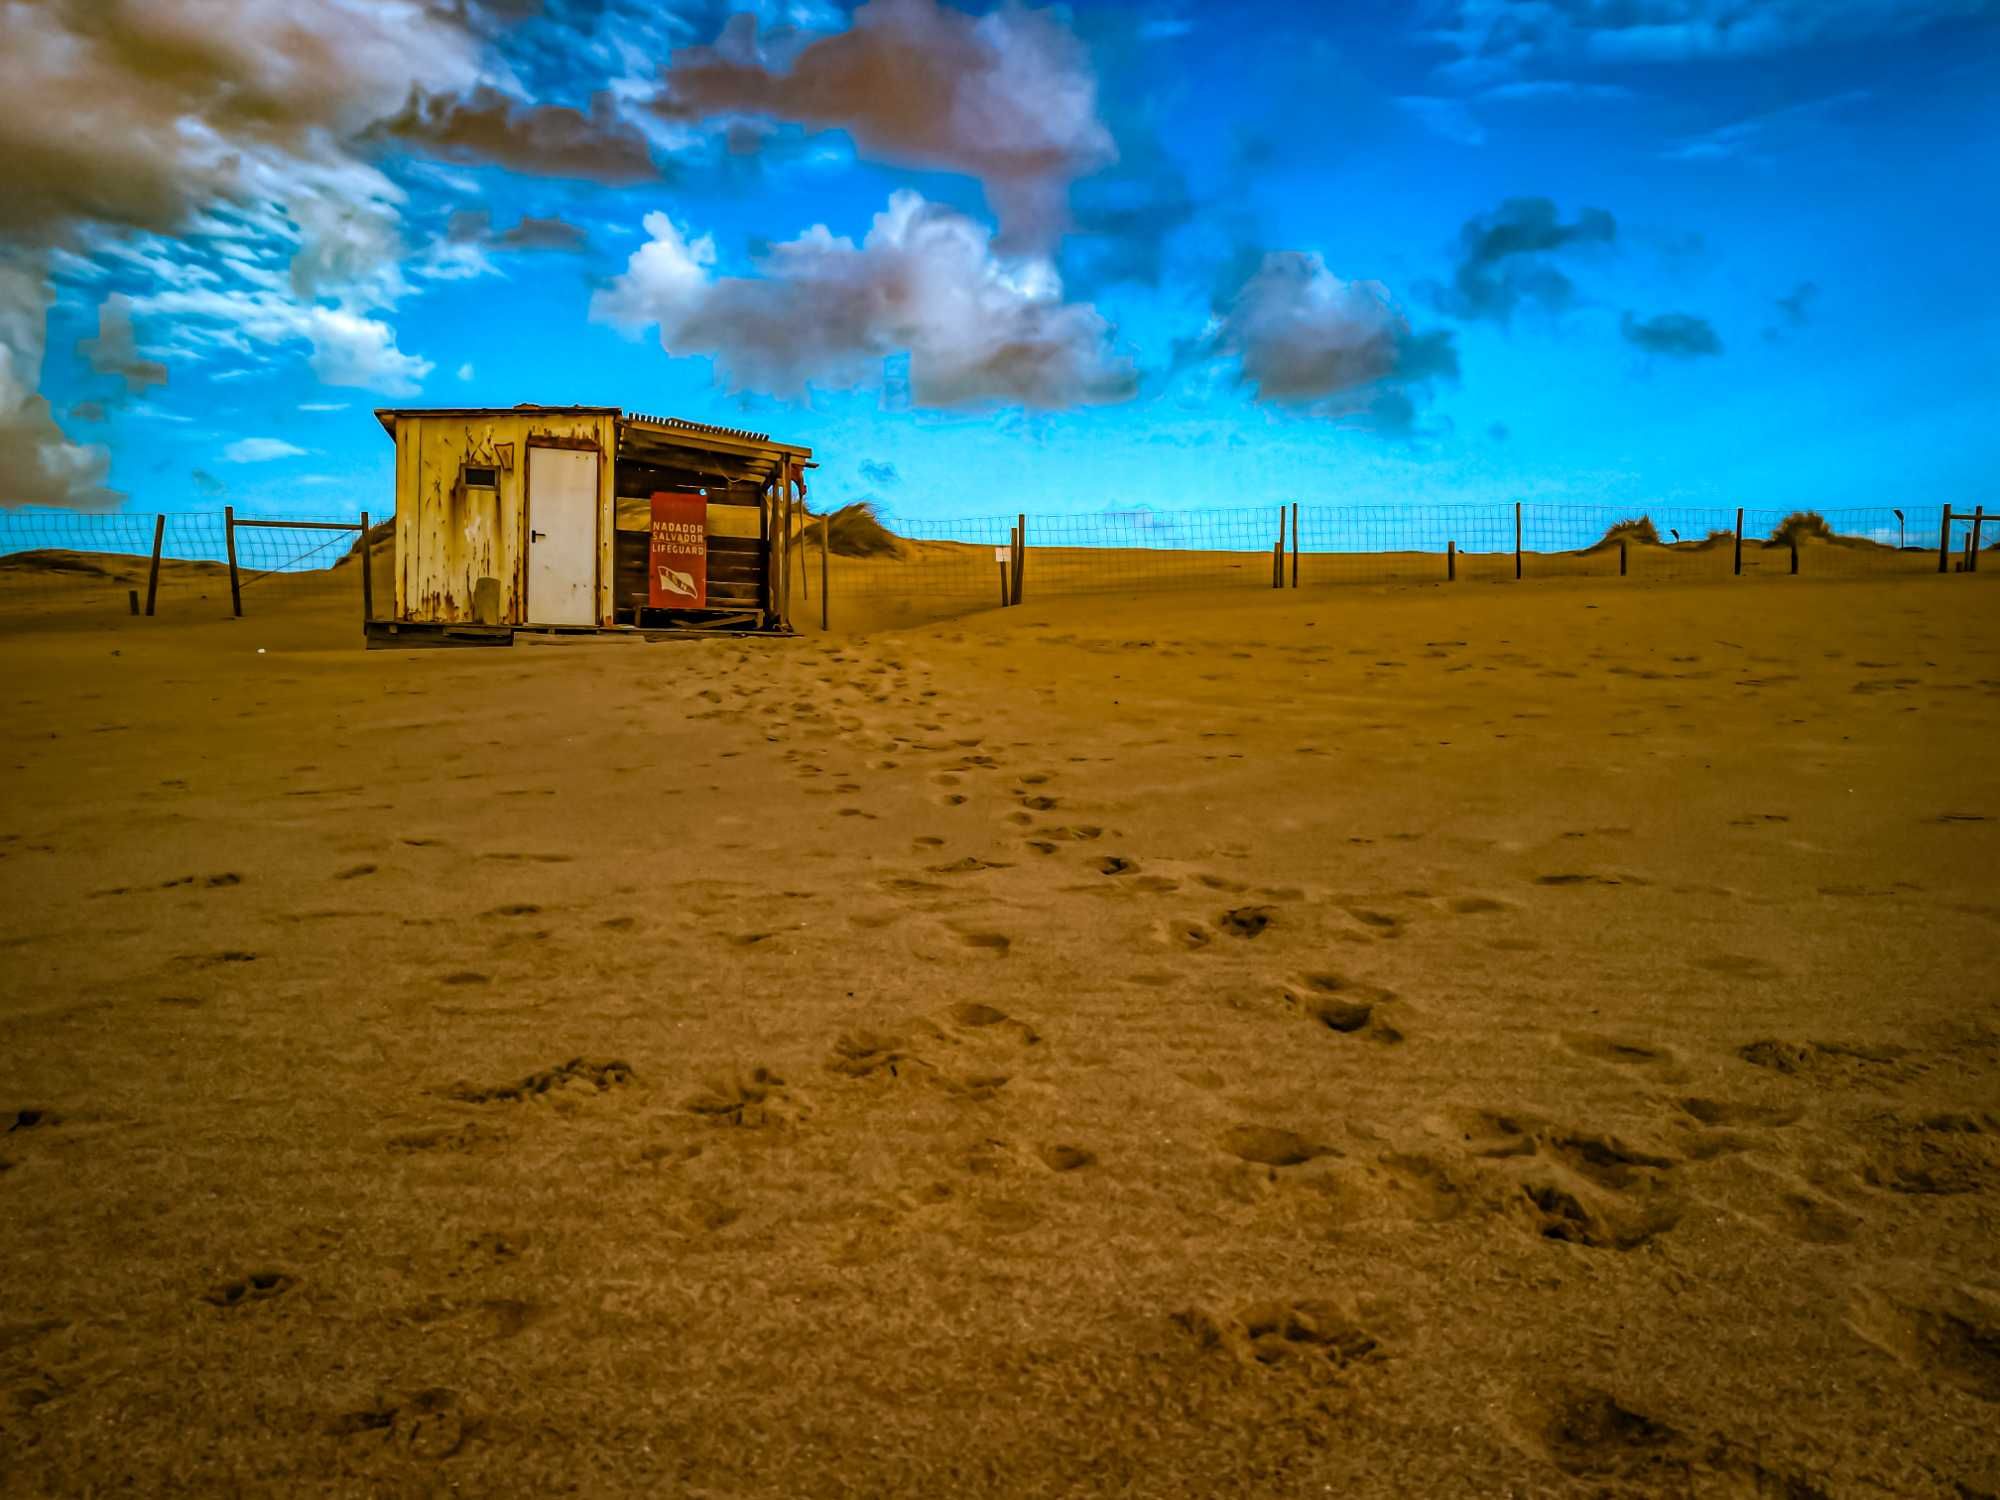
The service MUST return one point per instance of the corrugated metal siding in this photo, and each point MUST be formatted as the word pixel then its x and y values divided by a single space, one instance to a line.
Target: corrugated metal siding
pixel 448 539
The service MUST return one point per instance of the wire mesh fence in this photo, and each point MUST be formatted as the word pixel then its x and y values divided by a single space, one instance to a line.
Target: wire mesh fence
pixel 66 563
pixel 63 563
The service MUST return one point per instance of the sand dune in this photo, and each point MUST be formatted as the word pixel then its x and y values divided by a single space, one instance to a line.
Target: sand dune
pixel 1504 1041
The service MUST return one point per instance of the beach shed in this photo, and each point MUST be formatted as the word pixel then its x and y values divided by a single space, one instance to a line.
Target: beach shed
pixel 585 518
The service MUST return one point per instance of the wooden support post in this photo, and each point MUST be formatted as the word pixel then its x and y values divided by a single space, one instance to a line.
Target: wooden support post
pixel 153 573
pixel 1020 555
pixel 1451 562
pixel 1295 544
pixel 1737 568
pixel 235 582
pixel 1944 542
pixel 1972 542
pixel 785 504
pixel 367 574
pixel 1621 557
pixel 1517 539
pixel 825 566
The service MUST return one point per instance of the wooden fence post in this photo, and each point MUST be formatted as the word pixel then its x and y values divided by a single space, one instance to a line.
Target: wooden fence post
pixel 235 583
pixel 1451 562
pixel 825 566
pixel 1972 550
pixel 153 573
pixel 1020 555
pixel 367 574
pixel 132 598
pixel 1517 539
pixel 1795 553
pixel 1295 544
pixel 1738 567
pixel 1621 557
pixel 1944 541
pixel 1005 588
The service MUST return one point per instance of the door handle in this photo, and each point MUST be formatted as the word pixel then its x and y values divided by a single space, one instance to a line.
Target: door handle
pixel 536 536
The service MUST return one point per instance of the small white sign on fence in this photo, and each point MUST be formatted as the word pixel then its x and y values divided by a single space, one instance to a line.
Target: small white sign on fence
pixel 1001 554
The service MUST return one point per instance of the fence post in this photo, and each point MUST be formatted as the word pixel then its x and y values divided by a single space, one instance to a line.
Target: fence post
pixel 1621 557
pixel 1005 590
pixel 153 573
pixel 1944 540
pixel 1517 539
pixel 1451 562
pixel 235 583
pixel 1978 520
pixel 1738 567
pixel 367 574
pixel 825 565
pixel 1295 544
pixel 1020 554
pixel 132 598
pixel 1795 553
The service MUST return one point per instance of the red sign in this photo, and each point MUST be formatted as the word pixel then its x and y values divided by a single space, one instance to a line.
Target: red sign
pixel 677 561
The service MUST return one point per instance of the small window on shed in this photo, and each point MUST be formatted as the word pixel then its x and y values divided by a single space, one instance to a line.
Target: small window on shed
pixel 479 477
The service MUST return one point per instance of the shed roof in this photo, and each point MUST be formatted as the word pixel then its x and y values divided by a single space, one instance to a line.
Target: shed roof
pixel 639 428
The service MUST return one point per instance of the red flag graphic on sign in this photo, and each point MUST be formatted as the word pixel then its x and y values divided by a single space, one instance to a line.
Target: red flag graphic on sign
pixel 677 560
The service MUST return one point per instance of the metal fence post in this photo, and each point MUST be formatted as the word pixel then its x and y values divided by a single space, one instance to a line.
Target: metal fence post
pixel 153 573
pixel 235 583
pixel 367 574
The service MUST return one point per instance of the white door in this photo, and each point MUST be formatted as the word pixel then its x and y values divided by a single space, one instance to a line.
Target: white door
pixel 562 537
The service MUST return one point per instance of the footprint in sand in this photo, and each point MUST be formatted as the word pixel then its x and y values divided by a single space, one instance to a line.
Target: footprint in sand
pixel 1342 1005
pixel 1952 1336
pixel 1268 1146
pixel 1247 921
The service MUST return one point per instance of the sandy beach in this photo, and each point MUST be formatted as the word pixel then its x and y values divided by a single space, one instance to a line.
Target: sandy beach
pixel 1397 1040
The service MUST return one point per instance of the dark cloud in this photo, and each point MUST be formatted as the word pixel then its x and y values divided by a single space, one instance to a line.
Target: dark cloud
pixel 487 127
pixel 87 411
pixel 1504 259
pixel 1304 338
pixel 1678 335
pixel 1008 98
pixel 878 473
pixel 207 483
pixel 923 289
pixel 475 227
pixel 115 352
pixel 1796 308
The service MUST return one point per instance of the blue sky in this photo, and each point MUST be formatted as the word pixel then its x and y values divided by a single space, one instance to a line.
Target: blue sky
pixel 985 261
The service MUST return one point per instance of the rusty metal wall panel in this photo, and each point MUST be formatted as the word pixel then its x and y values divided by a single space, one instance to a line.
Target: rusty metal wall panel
pixel 449 537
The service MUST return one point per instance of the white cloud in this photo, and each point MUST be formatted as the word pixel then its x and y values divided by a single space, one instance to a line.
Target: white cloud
pixel 925 283
pixel 465 371
pixel 348 348
pixel 323 406
pixel 260 450
pixel 1448 119
pixel 38 465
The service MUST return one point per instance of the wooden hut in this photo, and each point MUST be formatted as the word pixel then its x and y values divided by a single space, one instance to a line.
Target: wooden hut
pixel 585 518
